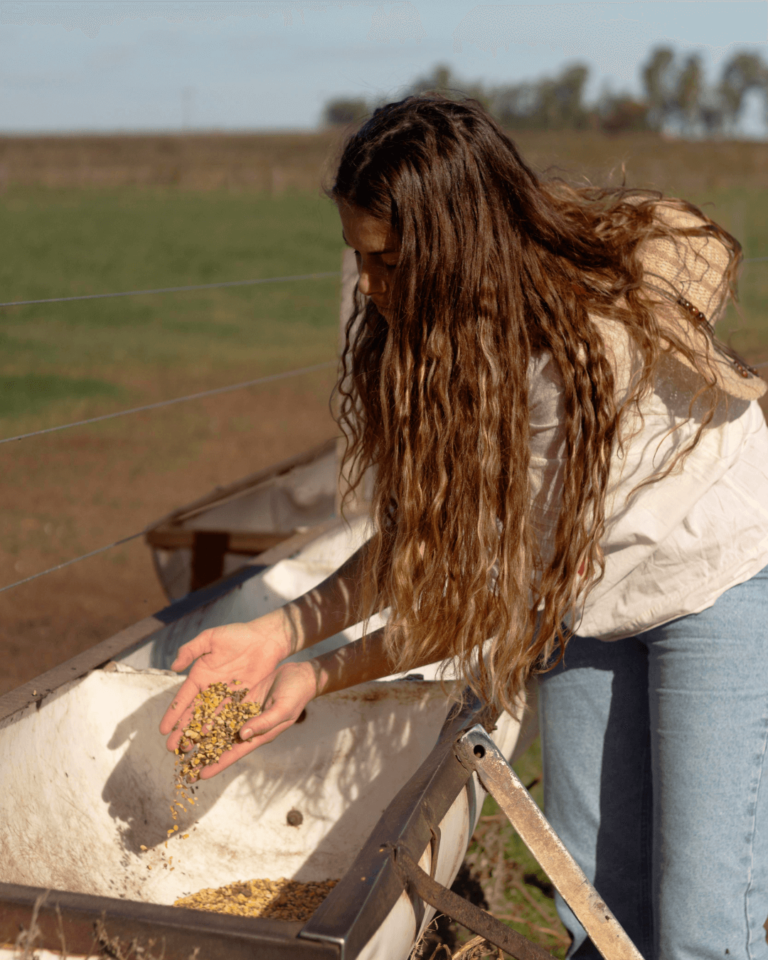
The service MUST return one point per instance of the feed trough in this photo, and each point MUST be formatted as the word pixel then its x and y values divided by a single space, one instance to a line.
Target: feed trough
pixel 86 784
pixel 201 542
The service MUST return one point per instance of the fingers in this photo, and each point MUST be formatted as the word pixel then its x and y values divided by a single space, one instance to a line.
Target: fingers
pixel 177 711
pixel 242 749
pixel 291 690
pixel 284 694
pixel 176 715
pixel 266 722
pixel 192 650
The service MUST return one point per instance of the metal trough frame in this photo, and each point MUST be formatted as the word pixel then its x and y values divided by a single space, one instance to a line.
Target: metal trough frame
pixel 340 928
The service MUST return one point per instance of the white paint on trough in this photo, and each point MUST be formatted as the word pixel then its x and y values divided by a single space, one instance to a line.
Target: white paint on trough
pixel 87 782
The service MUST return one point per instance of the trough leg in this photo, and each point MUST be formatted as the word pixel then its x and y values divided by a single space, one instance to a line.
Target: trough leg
pixel 477 752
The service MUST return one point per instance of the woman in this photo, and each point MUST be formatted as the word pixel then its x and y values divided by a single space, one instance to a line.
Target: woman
pixel 563 455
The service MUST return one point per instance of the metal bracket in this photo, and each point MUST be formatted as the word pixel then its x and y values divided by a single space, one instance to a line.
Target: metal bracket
pixel 477 752
pixel 467 914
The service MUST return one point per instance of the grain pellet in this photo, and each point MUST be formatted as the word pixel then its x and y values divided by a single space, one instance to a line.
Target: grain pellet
pixel 273 899
pixel 212 731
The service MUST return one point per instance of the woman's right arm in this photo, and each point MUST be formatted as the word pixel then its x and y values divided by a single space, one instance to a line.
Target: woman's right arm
pixel 249 652
pixel 331 606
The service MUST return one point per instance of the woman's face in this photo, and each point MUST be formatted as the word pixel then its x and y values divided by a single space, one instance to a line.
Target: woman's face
pixel 377 249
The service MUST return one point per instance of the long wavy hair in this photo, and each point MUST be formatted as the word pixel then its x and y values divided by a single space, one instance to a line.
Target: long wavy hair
pixel 496 264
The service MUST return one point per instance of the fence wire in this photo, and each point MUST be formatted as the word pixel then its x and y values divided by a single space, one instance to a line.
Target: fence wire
pixel 167 403
pixel 212 286
pixel 196 286
pixel 68 563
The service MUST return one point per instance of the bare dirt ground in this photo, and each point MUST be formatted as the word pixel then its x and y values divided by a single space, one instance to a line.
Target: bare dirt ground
pixel 84 488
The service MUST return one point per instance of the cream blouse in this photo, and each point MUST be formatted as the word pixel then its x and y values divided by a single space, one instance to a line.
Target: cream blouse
pixel 674 546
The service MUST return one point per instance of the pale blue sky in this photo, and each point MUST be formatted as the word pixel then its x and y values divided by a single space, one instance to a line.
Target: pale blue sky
pixel 101 65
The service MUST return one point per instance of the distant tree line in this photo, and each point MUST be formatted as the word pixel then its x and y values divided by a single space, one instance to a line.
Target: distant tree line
pixel 677 98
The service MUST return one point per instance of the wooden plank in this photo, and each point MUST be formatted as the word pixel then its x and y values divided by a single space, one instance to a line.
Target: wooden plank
pixel 249 544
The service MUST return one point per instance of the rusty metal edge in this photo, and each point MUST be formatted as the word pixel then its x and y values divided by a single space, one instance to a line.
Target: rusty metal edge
pixel 87 923
pixel 346 917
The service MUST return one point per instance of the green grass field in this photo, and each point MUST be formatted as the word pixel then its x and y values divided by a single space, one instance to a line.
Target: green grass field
pixel 60 359
pixel 744 212
pixel 103 354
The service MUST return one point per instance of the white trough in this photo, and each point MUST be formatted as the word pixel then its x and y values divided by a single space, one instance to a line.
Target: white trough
pixel 86 783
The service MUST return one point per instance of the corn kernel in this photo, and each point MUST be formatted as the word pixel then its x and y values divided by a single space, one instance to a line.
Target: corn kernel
pixel 213 729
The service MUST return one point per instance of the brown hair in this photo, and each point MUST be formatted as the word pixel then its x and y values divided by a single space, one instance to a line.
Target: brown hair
pixel 495 265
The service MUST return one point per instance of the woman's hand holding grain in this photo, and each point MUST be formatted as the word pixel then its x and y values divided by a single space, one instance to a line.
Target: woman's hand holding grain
pixel 251 654
pixel 247 654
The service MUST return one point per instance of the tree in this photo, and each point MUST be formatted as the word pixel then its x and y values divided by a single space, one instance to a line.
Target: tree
pixel 711 112
pixel 568 95
pixel 743 72
pixel 442 81
pixel 516 105
pixel 621 113
pixel 658 80
pixel 689 92
pixel 344 111
pixel 675 94
pixel 553 103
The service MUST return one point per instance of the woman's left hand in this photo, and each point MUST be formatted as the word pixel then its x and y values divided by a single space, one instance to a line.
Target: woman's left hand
pixel 283 695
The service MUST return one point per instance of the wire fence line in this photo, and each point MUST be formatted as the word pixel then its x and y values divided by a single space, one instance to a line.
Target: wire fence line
pixel 212 286
pixel 68 563
pixel 196 286
pixel 167 403
pixel 134 536
pixel 150 406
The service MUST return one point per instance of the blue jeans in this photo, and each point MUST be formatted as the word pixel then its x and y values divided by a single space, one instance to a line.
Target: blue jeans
pixel 654 758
